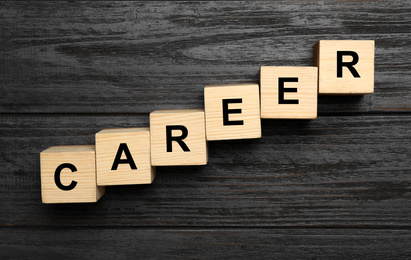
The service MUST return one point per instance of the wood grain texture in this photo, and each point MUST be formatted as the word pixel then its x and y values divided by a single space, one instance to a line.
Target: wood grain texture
pixel 345 171
pixel 137 57
pixel 334 187
pixel 206 244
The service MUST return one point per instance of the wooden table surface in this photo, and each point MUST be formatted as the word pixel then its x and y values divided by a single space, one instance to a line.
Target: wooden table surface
pixel 335 187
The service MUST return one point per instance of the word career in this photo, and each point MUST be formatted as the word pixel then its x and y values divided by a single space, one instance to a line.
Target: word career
pixel 73 174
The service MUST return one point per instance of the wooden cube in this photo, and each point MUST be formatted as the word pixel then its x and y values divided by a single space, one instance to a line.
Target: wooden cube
pixel 178 137
pixel 288 92
pixel 232 111
pixel 345 67
pixel 68 174
pixel 123 157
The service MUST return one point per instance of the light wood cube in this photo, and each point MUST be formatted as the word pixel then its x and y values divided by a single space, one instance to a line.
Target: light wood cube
pixel 345 67
pixel 123 156
pixel 178 137
pixel 288 92
pixel 232 111
pixel 68 174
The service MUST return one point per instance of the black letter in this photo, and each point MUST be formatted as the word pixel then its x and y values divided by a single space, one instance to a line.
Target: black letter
pixel 227 111
pixel 349 65
pixel 118 160
pixel 281 91
pixel 57 176
pixel 178 139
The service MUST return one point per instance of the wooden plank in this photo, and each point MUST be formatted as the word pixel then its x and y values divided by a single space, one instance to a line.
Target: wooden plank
pixel 137 57
pixel 205 244
pixel 345 171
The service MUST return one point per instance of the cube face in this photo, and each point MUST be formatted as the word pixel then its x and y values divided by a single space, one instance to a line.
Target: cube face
pixel 288 92
pixel 123 157
pixel 232 112
pixel 178 137
pixel 68 175
pixel 345 67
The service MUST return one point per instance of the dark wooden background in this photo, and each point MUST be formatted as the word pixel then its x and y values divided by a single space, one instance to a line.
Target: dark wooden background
pixel 335 187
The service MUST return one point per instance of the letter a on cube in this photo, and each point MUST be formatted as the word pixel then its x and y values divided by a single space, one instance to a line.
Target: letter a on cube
pixel 123 157
pixel 345 67
pixel 178 137
pixel 288 92
pixel 232 111
pixel 68 174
